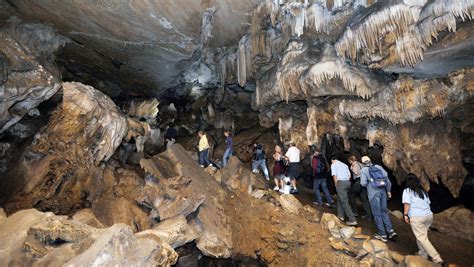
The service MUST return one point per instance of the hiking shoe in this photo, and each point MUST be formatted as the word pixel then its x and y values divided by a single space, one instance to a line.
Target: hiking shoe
pixel 382 238
pixel 392 235
pixel 276 188
pixel 354 223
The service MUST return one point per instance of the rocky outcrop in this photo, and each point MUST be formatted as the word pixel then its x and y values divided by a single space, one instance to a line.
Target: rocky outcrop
pixel 455 221
pixel 33 237
pixel 28 75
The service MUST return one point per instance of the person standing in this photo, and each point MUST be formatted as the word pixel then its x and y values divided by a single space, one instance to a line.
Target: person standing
pixel 357 191
pixel 417 213
pixel 278 168
pixel 341 175
pixel 319 167
pixel 294 166
pixel 203 148
pixel 259 160
pixel 375 179
pixel 228 151
pixel 170 135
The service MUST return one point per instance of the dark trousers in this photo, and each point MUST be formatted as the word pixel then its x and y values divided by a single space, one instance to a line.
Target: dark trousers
pixel 204 158
pixel 359 192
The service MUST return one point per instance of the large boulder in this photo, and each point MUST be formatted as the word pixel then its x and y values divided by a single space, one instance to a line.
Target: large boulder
pixel 455 221
pixel 33 237
pixel 290 204
pixel 175 231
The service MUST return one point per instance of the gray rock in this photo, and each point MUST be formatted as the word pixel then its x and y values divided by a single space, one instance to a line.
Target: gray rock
pixel 290 204
pixel 347 232
pixel 175 232
pixel 397 214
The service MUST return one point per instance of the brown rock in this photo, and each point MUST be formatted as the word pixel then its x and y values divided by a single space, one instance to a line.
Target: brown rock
pixel 455 221
pixel 418 261
pixel 330 221
pixel 87 216
pixel 290 204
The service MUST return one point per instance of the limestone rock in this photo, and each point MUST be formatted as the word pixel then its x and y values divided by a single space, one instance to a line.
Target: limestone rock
pixel 397 257
pixel 347 232
pixel 397 214
pixel 87 216
pixel 258 194
pixel 455 221
pixel 290 204
pixel 330 221
pixel 3 215
pixel 374 246
pixel 175 231
pixel 418 261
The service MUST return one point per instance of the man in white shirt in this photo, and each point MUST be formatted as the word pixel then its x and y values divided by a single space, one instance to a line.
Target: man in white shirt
pixel 341 175
pixel 294 168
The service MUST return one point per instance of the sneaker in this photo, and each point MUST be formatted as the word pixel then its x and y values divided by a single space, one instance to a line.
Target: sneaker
pixel 276 188
pixel 317 203
pixel 392 235
pixel 354 223
pixel 442 263
pixel 294 191
pixel 341 219
pixel 202 166
pixel 382 238
pixel 327 204
pixel 281 190
pixel 255 171
pixel 267 178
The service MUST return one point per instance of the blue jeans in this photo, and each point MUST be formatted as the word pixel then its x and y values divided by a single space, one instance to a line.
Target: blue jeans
pixel 262 164
pixel 227 155
pixel 378 204
pixel 323 184
pixel 204 158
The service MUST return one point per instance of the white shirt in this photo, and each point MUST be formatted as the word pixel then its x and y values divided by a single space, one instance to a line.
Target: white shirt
pixel 293 154
pixel 341 171
pixel 418 207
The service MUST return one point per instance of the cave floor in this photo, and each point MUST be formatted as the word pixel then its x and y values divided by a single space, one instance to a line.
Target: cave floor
pixel 455 251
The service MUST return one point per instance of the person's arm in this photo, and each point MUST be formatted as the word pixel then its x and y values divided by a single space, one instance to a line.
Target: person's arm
pixel 406 208
pixel 333 173
pixel 363 178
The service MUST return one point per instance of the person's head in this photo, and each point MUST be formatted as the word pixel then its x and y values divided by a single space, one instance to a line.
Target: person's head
pixel 366 160
pixel 201 133
pixel 255 144
pixel 226 133
pixel 277 148
pixel 352 159
pixel 414 185
pixel 316 152
pixel 292 144
pixel 333 158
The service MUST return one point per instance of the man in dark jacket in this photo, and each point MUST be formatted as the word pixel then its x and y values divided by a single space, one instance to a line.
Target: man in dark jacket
pixel 319 167
pixel 259 160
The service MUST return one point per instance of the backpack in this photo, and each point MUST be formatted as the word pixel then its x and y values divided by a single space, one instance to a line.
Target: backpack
pixel 319 165
pixel 377 178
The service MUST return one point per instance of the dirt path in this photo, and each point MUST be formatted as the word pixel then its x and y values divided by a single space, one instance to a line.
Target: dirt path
pixel 455 251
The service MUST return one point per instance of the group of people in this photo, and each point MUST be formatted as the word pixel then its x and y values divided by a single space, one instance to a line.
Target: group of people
pixel 371 184
pixel 364 180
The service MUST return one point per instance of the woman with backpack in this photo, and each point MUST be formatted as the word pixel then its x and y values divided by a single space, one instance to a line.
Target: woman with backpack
pixel 417 213
pixel 319 168
pixel 375 179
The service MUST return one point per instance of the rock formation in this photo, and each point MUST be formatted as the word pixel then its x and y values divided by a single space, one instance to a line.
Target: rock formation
pixel 389 78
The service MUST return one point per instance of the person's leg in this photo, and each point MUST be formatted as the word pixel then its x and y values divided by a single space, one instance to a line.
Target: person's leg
pixel 420 227
pixel 346 185
pixel 201 158
pixel 384 212
pixel 421 250
pixel 226 157
pixel 263 165
pixel 207 162
pixel 324 187
pixel 340 210
pixel 365 202
pixel 353 193
pixel 376 211
pixel 317 194
pixel 255 166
